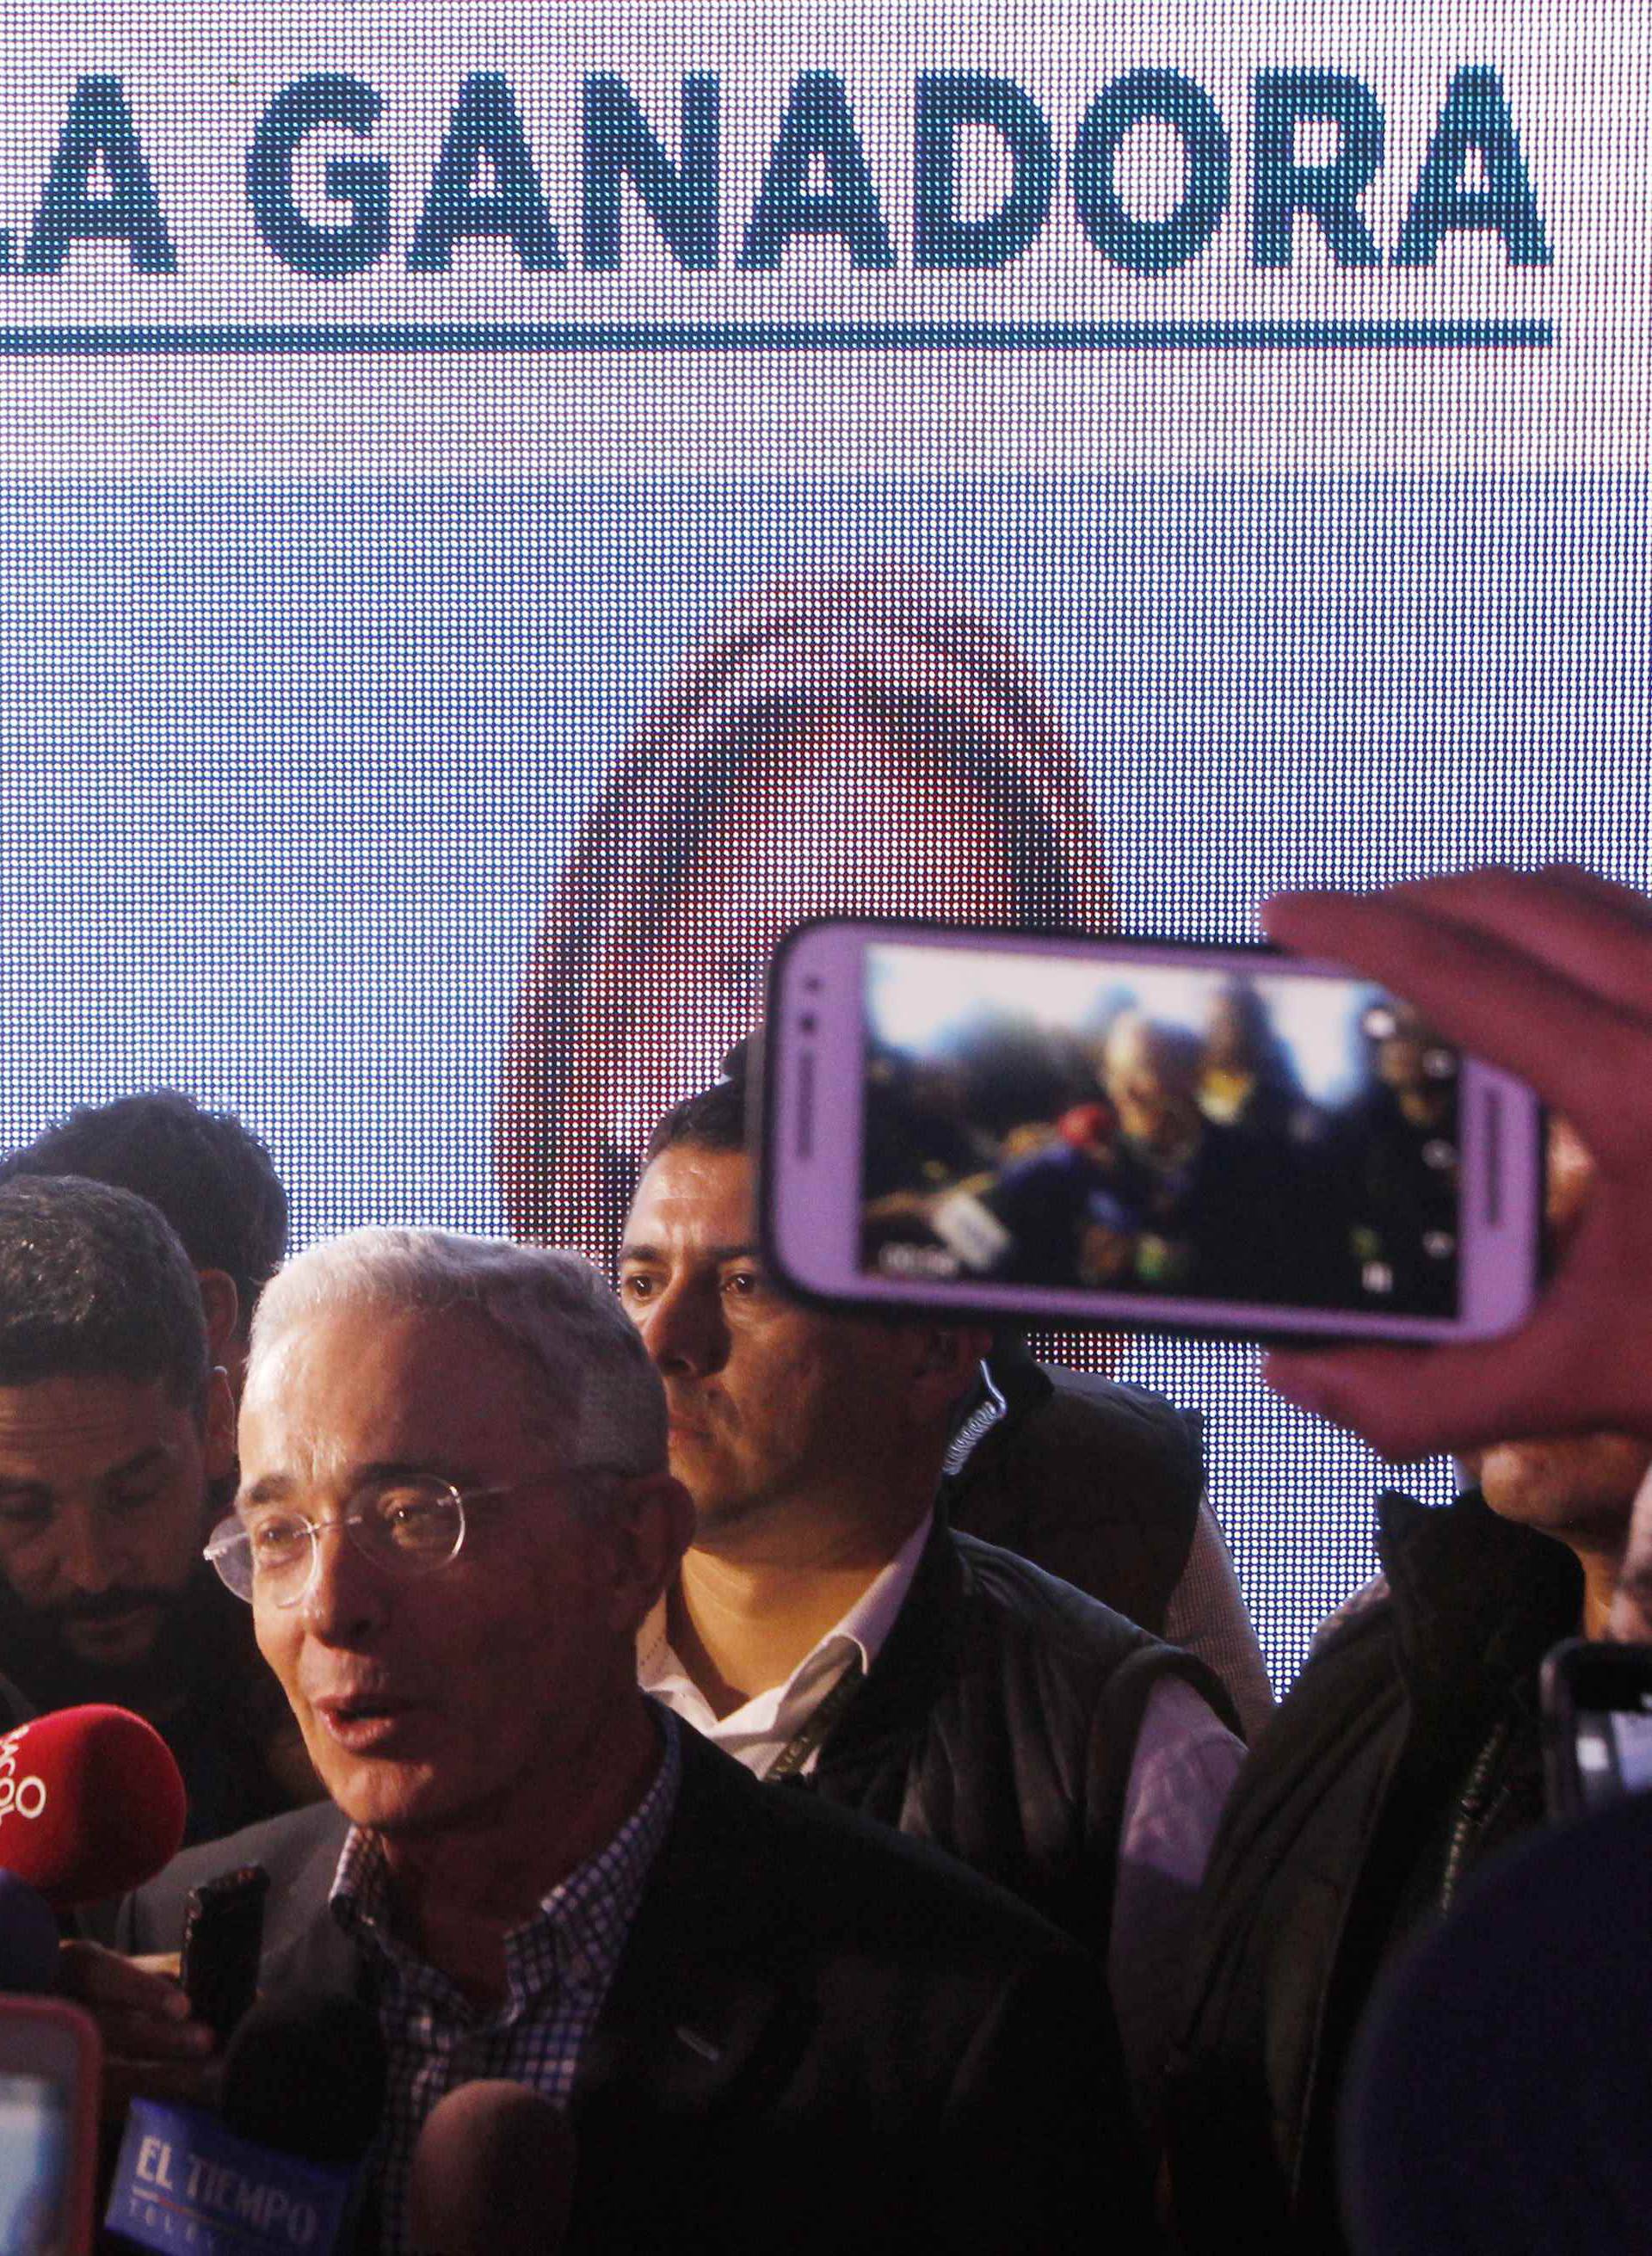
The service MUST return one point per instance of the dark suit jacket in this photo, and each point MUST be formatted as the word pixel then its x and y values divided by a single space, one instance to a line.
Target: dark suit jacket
pixel 820 2037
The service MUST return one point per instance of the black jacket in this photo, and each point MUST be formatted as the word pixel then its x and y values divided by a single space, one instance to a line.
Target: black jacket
pixel 1095 1482
pixel 999 1722
pixel 818 2038
pixel 1407 1750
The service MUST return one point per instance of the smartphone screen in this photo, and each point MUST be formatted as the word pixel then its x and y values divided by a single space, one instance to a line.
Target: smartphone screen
pixel 36 2142
pixel 1070 1129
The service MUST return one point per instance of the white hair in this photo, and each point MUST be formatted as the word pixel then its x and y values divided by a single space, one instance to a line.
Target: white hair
pixel 603 1407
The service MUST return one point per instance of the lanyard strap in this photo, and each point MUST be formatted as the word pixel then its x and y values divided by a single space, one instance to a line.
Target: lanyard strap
pixel 797 1751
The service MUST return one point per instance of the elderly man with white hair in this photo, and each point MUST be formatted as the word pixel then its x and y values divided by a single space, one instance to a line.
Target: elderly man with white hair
pixel 762 2020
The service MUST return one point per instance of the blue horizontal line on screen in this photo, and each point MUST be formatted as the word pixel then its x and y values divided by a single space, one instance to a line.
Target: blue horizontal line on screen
pixel 772 336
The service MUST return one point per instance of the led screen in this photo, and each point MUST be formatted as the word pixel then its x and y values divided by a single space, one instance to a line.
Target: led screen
pixel 504 509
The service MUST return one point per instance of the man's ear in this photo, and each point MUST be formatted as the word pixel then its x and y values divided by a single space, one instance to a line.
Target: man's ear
pixel 652 1521
pixel 945 1361
pixel 222 1305
pixel 218 1449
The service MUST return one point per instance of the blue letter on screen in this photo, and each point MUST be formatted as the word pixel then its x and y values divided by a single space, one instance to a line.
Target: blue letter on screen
pixel 818 123
pixel 1150 246
pixel 362 182
pixel 1475 116
pixel 682 200
pixel 99 124
pixel 1282 188
pixel 946 101
pixel 485 123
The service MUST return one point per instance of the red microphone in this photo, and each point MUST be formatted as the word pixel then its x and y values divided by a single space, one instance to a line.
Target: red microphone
pixel 91 1804
pixel 493 2174
pixel 1082 1124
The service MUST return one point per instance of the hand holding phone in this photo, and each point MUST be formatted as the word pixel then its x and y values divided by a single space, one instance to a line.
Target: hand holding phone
pixel 153 2048
pixel 1053 1129
pixel 1551 974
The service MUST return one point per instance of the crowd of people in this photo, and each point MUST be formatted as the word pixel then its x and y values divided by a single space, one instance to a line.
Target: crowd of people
pixel 808 1749
pixel 1136 1154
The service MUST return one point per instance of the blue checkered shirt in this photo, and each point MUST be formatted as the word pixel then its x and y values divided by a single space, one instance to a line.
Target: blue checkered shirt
pixel 559 1965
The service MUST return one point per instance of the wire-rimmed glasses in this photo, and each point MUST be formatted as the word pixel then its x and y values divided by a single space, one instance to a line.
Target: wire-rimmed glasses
pixel 405 1526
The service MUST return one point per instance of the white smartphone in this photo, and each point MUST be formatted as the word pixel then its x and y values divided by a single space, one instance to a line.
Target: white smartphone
pixel 1058 1130
pixel 51 2064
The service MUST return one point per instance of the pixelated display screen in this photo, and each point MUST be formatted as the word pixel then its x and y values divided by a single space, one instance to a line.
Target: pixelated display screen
pixel 504 509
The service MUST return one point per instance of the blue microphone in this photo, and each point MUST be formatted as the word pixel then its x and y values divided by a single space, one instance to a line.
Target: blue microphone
pixel 278 2170
pixel 28 1940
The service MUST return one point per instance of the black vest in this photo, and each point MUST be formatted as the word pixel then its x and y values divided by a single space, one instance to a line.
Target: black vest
pixel 1000 1722
pixel 1095 1482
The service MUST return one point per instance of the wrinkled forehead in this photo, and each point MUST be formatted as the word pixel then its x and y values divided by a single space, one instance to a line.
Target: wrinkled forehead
pixel 361 1385
pixel 692 1193
pixel 74 1427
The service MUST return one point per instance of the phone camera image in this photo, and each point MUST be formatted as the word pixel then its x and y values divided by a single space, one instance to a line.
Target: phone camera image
pixel 34 2153
pixel 1255 1136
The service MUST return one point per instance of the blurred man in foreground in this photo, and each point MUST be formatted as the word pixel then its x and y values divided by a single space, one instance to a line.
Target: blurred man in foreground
pixel 828 1626
pixel 113 1426
pixel 1159 1196
pixel 455 1514
pixel 1406 1754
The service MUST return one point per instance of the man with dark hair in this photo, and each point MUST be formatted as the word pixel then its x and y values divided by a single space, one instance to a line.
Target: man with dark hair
pixel 1099 1484
pixel 827 1625
pixel 113 1426
pixel 209 1176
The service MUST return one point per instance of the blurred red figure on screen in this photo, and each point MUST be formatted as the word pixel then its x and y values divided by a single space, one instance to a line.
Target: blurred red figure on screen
pixel 874 747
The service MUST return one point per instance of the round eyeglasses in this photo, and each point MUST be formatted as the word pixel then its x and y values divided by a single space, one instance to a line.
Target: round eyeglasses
pixel 404 1526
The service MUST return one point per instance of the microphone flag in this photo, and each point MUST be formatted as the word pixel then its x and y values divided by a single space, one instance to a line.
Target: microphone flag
pixel 183 2182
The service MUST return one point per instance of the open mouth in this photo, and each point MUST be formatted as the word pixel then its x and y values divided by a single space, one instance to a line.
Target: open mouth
pixel 366 1723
